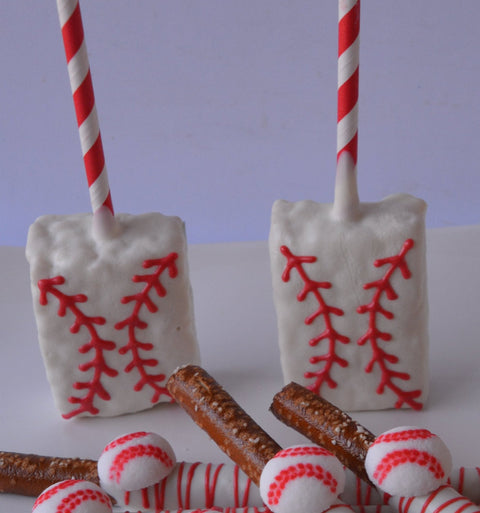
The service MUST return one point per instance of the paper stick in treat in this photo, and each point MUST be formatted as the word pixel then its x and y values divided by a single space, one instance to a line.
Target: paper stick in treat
pixel 332 428
pixel 306 478
pixel 86 113
pixel 346 203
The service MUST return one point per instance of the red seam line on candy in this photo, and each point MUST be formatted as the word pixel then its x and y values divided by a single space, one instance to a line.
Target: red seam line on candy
pixel 84 99
pixel 132 452
pixel 123 439
pixel 347 96
pixel 348 28
pixel 188 489
pixel 397 458
pixel 310 286
pixel 73 34
pixel 430 498
pixel 303 451
pixel 53 491
pixel 145 498
pixel 400 436
pixel 454 500
pixel 300 470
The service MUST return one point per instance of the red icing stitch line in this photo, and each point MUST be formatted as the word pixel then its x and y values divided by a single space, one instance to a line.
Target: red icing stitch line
pixel 53 491
pixel 124 439
pixel 96 343
pixel 401 436
pixel 137 451
pixel 373 335
pixel 402 456
pixel 72 501
pixel 133 322
pixel 303 451
pixel 323 310
pixel 300 470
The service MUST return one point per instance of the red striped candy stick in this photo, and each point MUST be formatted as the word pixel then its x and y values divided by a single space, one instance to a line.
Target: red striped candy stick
pixel 84 102
pixel 348 57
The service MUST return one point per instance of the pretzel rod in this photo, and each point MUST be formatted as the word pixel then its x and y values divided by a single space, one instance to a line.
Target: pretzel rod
pixel 301 409
pixel 29 474
pixel 229 426
pixel 325 425
pixel 306 477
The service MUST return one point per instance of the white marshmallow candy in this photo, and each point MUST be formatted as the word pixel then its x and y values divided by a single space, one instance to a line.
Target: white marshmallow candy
pixel 135 461
pixel 408 461
pixel 73 496
pixel 304 478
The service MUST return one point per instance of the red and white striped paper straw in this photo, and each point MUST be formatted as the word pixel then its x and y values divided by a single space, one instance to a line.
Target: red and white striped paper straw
pixel 84 102
pixel 348 58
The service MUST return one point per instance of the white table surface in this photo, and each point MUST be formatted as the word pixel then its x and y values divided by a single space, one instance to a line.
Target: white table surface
pixel 237 333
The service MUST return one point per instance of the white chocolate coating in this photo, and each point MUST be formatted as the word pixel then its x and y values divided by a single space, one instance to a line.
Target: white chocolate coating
pixel 343 253
pixel 102 269
pixel 68 496
pixel 303 478
pixel 408 461
pixel 135 461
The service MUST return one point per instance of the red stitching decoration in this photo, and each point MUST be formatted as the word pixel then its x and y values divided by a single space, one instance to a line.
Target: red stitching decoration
pixel 373 335
pixel 134 323
pixel 325 311
pixel 94 387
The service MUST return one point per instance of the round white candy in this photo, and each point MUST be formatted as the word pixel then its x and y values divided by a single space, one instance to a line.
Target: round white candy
pixel 302 478
pixel 135 461
pixel 408 461
pixel 73 496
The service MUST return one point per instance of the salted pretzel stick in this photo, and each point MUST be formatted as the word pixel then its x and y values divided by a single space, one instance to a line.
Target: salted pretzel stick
pixel 247 444
pixel 189 484
pixel 217 413
pixel 29 474
pixel 325 425
pixel 306 412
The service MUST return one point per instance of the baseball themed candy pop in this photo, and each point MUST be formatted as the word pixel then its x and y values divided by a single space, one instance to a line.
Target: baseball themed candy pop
pixel 349 278
pixel 111 293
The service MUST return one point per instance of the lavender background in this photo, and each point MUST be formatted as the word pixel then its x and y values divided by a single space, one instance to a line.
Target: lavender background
pixel 213 109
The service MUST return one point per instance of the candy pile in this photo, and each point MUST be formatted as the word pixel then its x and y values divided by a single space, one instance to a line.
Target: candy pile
pixel 346 468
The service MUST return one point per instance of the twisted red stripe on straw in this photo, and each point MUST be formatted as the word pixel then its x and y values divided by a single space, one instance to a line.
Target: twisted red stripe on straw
pixel 84 102
pixel 348 58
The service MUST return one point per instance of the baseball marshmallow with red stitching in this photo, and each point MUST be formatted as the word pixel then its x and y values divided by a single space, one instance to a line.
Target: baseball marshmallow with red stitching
pixel 135 461
pixel 304 478
pixel 73 496
pixel 408 461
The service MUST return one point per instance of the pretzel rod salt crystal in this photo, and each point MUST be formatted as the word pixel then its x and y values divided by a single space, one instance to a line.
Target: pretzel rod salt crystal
pixel 307 478
pixel 216 412
pixel 302 409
